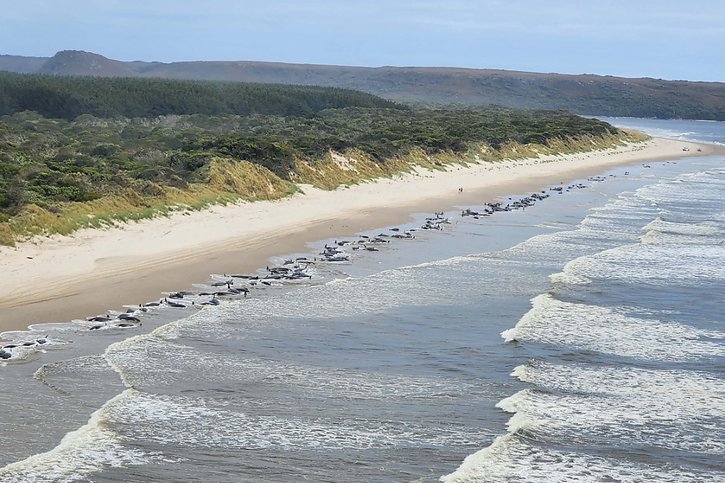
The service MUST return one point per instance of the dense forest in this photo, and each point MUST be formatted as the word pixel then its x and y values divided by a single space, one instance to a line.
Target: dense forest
pixel 58 174
pixel 69 97
pixel 425 86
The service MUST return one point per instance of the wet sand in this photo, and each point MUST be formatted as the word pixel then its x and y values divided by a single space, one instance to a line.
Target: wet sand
pixel 61 278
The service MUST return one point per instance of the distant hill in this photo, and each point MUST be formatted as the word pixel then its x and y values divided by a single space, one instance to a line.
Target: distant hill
pixel 75 62
pixel 20 64
pixel 583 94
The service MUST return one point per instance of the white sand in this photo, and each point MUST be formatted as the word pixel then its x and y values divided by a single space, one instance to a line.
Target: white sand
pixel 55 267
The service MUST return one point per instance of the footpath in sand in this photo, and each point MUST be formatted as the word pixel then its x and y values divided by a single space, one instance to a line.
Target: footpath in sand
pixel 61 278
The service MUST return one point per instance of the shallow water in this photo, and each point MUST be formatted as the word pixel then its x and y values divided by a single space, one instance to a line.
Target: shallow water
pixel 578 340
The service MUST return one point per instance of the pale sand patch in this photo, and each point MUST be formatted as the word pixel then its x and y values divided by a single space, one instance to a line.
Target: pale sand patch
pixel 60 278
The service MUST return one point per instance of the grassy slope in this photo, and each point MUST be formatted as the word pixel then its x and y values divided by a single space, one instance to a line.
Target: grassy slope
pixel 227 179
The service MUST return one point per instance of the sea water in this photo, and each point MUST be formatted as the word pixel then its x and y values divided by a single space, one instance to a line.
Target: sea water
pixel 579 340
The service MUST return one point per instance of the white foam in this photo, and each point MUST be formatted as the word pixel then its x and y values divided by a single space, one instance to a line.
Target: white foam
pixel 600 329
pixel 569 276
pixel 660 232
pixel 672 409
pixel 167 364
pixel 674 394
pixel 658 224
pixel 201 423
pixel 511 458
pixel 446 262
pixel 659 264
pixel 79 454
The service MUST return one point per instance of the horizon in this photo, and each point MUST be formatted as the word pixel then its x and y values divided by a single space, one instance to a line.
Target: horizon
pixel 653 39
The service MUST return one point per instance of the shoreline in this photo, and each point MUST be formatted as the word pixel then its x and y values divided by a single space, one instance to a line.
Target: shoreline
pixel 58 279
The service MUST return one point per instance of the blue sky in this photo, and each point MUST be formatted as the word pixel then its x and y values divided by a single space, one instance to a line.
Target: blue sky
pixel 633 38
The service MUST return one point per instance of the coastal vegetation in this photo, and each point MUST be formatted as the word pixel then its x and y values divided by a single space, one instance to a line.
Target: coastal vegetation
pixel 59 174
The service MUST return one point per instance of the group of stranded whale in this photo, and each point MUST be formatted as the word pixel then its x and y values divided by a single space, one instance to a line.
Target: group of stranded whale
pixel 291 270
pixel 241 285
pixel 337 253
pixel 6 351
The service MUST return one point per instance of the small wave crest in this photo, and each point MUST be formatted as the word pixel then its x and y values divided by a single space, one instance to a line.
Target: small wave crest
pixel 511 458
pixel 606 330
pixel 79 454
pixel 200 423
pixel 552 431
pixel 660 232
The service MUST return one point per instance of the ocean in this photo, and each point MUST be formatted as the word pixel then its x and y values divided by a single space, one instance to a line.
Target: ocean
pixel 578 339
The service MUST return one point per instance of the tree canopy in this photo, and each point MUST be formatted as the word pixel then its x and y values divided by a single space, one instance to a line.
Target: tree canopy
pixel 69 97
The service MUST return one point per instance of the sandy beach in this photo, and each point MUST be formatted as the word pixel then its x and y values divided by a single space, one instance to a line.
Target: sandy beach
pixel 61 278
